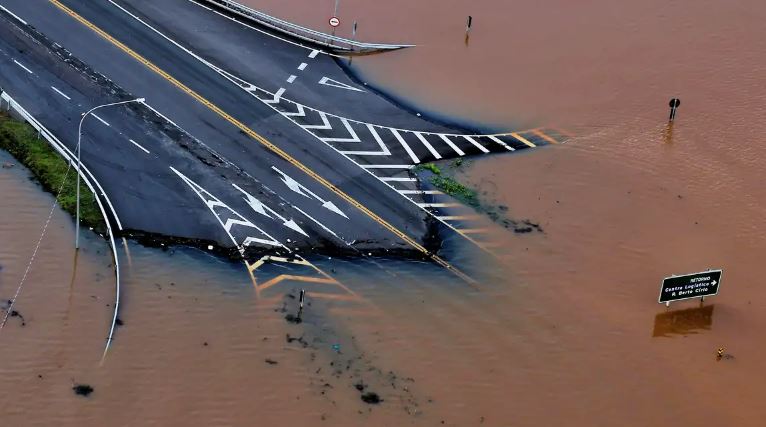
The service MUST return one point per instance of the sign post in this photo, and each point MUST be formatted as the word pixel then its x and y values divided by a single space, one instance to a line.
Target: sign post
pixel 696 285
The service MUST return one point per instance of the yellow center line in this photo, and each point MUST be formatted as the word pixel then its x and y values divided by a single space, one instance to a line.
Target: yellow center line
pixel 522 139
pixel 261 139
pixel 542 135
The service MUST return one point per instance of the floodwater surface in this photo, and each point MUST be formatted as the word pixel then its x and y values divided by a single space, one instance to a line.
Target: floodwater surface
pixel 564 328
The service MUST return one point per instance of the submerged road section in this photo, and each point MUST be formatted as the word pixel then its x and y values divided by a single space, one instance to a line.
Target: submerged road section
pixel 248 140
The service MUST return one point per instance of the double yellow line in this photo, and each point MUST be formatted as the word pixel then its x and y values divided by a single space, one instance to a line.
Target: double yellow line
pixel 262 140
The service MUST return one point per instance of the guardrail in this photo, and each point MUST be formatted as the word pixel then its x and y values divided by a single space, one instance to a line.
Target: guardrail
pixel 329 41
pixel 86 176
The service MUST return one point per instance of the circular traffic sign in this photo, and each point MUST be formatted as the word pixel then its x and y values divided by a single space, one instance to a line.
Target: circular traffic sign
pixel 675 103
pixel 334 21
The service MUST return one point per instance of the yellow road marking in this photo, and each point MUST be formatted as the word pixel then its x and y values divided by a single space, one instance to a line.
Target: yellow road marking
pixel 539 133
pixel 262 140
pixel 515 135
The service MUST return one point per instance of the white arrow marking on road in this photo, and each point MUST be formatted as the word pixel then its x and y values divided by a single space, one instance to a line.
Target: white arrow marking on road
pixel 334 83
pixel 262 209
pixel 300 189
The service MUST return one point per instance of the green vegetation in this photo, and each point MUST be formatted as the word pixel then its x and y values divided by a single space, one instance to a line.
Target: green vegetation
pixel 429 167
pixel 21 141
pixel 450 186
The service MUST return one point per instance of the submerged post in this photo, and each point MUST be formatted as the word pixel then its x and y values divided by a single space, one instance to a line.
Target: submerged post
pixel 674 103
pixel 468 24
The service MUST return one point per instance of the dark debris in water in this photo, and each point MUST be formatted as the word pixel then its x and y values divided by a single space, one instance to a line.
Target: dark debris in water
pixel 371 398
pixel 82 389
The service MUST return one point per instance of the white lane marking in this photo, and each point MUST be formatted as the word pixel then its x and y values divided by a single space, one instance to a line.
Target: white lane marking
pixel 303 66
pixel 458 217
pixel 13 14
pixel 354 136
pixel 325 123
pixel 235 219
pixel 387 166
pixel 383 149
pixel 428 145
pixel 300 189
pixel 334 83
pixel 100 119
pixel 397 179
pixel 438 205
pixel 496 139
pixel 277 96
pixel 313 54
pixel 262 209
pixel 61 93
pixel 22 66
pixel 291 78
pixel 437 192
pixel 139 146
pixel 452 145
pixel 476 144
pixel 406 147
pixel 321 225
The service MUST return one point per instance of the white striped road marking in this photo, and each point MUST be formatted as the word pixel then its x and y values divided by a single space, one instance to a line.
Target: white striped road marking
pixel 496 139
pixel 291 78
pixel 428 145
pixel 61 93
pixel 13 14
pixel 476 144
pixel 325 123
pixel 438 205
pixel 300 113
pixel 406 147
pixel 387 166
pixel 458 217
pixel 302 66
pixel 266 211
pixel 354 136
pixel 321 225
pixel 313 54
pixel 277 96
pixel 396 178
pixel 522 139
pixel 452 145
pixel 139 146
pixel 383 149
pixel 22 66
pixel 419 191
pixel 100 119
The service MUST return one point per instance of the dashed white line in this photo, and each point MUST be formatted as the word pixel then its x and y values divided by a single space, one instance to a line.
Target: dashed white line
pixel 139 146
pixel 313 54
pixel 320 224
pixel 303 66
pixel 291 78
pixel 100 119
pixel 406 147
pixel 61 93
pixel 22 66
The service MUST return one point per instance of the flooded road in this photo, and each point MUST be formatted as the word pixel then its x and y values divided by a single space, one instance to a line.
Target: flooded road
pixel 564 329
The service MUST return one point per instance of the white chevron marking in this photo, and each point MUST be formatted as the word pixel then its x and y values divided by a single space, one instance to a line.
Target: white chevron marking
pixel 428 145
pixel 406 147
pixel 325 123
pixel 354 136
pixel 452 145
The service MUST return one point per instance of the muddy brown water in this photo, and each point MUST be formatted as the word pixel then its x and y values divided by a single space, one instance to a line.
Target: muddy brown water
pixel 566 329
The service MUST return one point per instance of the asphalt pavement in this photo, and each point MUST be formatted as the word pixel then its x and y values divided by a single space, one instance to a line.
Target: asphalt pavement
pixel 245 140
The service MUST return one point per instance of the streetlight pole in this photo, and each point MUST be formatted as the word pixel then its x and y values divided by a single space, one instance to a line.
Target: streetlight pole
pixel 79 163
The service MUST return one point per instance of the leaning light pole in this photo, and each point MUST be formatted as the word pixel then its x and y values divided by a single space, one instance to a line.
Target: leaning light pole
pixel 79 163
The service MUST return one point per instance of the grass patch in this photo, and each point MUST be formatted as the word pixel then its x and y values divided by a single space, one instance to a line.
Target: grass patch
pixel 450 186
pixel 429 167
pixel 48 167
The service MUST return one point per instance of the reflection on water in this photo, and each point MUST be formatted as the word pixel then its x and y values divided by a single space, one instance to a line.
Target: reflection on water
pixel 683 322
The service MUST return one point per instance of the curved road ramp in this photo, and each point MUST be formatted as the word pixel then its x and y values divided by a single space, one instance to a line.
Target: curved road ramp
pixel 328 41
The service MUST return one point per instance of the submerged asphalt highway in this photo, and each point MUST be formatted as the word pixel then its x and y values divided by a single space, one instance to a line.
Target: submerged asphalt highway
pixel 246 139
